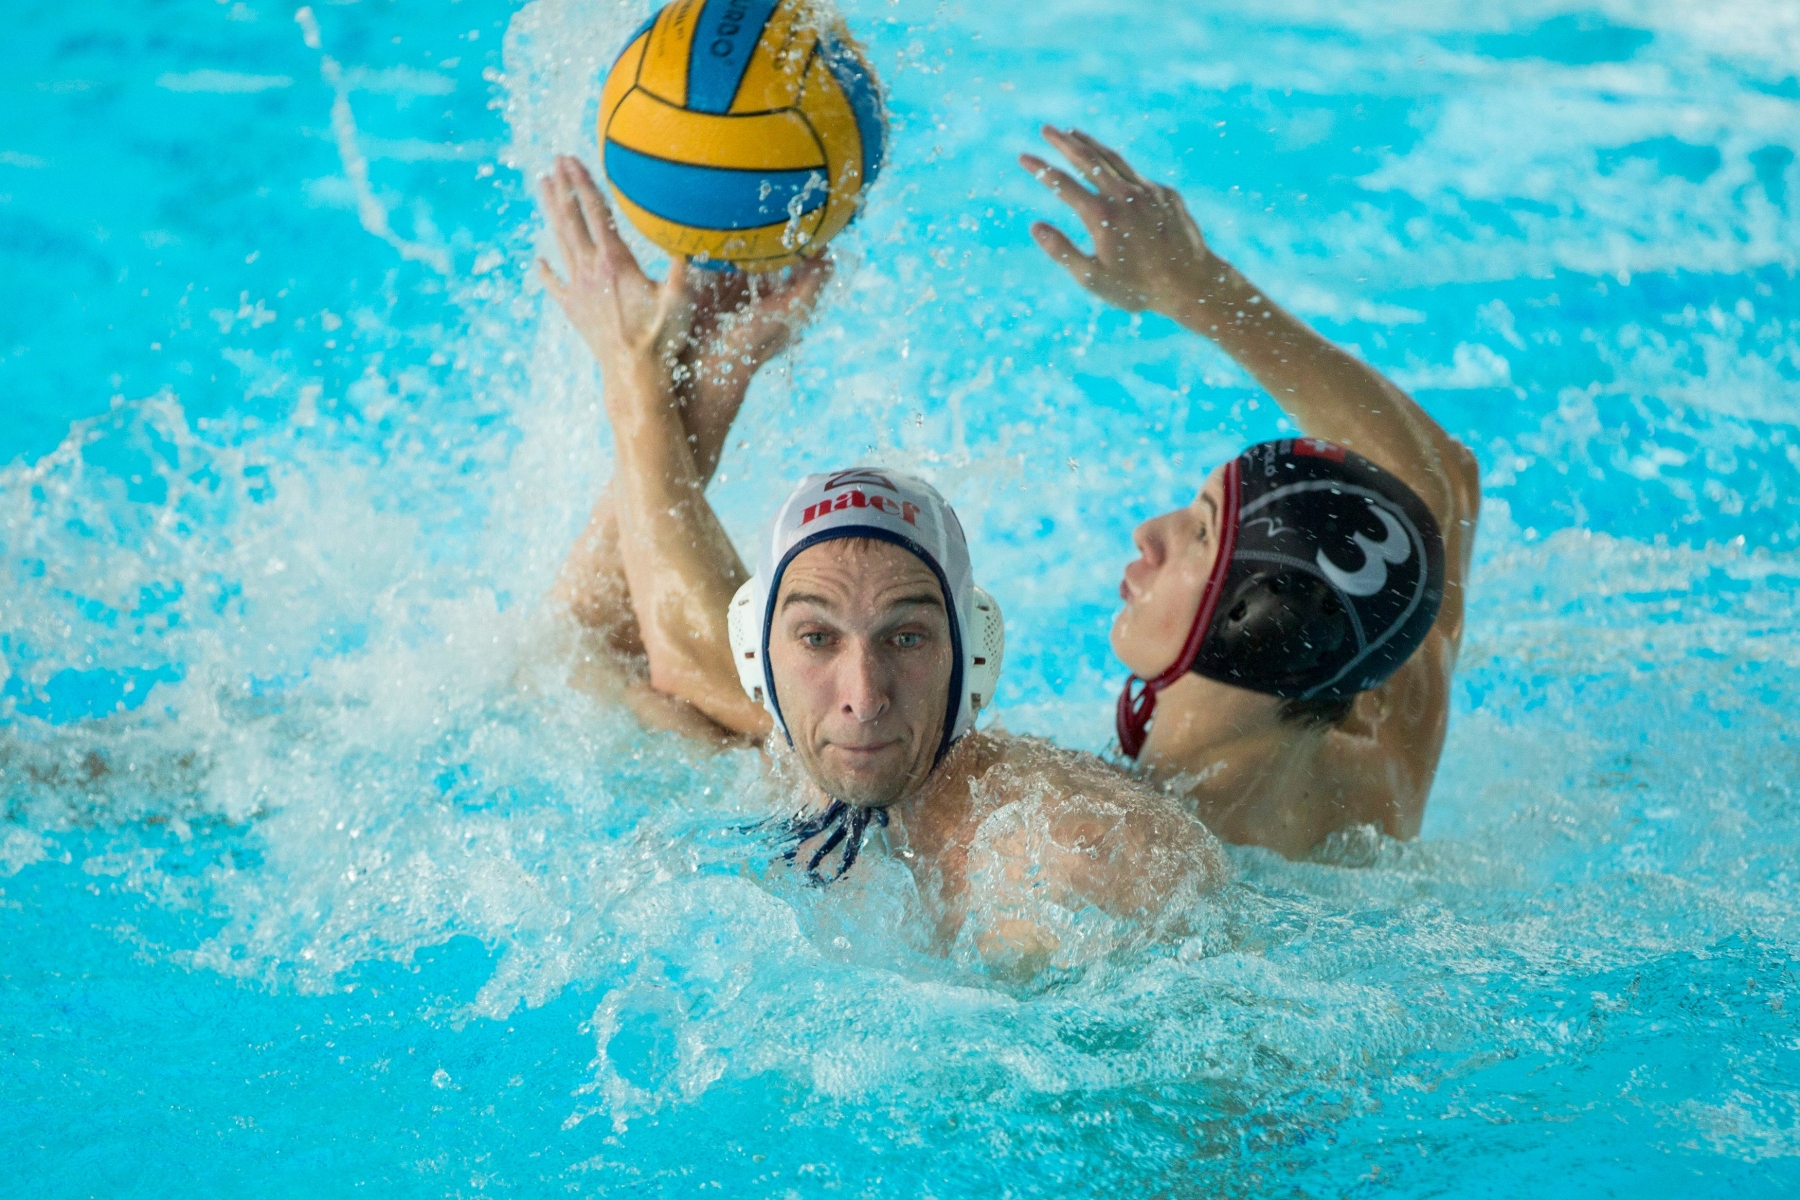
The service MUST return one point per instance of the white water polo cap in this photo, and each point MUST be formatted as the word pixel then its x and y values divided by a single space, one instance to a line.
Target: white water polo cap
pixel 870 502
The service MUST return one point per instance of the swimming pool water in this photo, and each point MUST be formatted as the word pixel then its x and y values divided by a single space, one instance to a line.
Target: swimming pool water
pixel 315 875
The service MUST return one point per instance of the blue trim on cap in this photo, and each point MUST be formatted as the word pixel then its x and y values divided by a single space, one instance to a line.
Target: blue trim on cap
pixel 893 539
pixel 726 34
pixel 711 197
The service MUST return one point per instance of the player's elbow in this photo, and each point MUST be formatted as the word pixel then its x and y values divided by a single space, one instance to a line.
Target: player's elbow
pixel 1462 479
pixel 674 667
pixel 1464 469
pixel 665 676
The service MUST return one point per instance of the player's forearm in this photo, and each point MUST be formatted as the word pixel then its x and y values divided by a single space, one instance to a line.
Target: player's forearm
pixel 709 408
pixel 681 566
pixel 1327 392
pixel 664 516
pixel 592 583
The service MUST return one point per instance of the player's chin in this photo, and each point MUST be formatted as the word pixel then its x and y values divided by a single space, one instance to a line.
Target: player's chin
pixel 1121 627
pixel 1128 646
pixel 1121 637
pixel 867 779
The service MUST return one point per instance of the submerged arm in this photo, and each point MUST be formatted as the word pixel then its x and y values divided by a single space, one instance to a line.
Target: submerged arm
pixel 1127 850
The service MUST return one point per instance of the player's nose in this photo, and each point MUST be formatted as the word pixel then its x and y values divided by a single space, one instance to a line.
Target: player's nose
pixel 863 683
pixel 1151 540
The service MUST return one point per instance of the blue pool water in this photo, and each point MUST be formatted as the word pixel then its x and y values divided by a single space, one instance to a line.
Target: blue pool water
pixel 316 876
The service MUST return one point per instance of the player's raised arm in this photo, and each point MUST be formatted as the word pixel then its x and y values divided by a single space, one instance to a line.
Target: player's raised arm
pixel 1360 742
pixel 676 357
pixel 1149 253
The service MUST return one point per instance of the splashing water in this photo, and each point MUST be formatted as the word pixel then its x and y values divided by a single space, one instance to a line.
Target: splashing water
pixel 317 873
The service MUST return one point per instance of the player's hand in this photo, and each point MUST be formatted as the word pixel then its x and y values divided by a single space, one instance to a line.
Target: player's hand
pixel 628 319
pixel 741 321
pixel 1148 252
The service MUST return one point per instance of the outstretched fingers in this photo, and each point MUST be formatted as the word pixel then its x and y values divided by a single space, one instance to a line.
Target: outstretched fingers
pixel 720 291
pixel 1087 205
pixel 741 295
pixel 799 292
pixel 598 217
pixel 1113 160
pixel 565 218
pixel 1057 245
pixel 776 307
pixel 551 280
pixel 1082 153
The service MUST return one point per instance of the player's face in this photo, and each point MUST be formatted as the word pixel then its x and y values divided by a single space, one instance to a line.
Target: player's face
pixel 1162 588
pixel 860 654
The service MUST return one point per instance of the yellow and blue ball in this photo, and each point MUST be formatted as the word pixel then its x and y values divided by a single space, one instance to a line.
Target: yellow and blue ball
pixel 741 132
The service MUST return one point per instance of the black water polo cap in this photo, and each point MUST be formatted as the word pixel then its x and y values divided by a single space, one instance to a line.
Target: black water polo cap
pixel 1329 575
pixel 1335 577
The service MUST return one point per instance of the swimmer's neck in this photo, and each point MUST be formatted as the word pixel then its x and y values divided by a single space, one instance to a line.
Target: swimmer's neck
pixel 1196 714
pixel 1222 745
pixel 916 819
pixel 947 783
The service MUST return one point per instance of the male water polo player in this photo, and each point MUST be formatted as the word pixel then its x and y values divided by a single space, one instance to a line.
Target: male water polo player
pixel 1291 632
pixel 861 649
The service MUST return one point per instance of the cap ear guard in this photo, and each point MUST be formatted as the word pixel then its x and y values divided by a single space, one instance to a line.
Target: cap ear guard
pixel 986 650
pixel 743 623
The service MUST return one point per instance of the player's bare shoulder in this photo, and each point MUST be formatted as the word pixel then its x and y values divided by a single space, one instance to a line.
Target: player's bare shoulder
pixel 1096 831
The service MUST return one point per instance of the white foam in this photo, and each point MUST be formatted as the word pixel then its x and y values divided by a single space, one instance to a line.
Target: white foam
pixel 221 82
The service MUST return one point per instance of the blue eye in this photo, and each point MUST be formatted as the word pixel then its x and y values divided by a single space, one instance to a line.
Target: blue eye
pixel 909 641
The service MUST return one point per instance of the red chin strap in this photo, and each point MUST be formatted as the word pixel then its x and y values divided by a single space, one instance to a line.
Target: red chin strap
pixel 1135 710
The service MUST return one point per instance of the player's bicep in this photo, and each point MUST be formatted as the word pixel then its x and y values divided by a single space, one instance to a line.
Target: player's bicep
pixel 688 646
pixel 702 682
